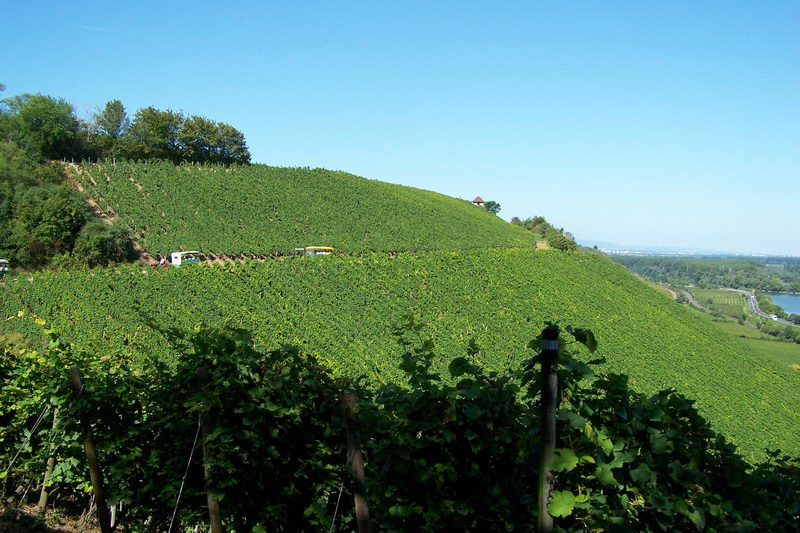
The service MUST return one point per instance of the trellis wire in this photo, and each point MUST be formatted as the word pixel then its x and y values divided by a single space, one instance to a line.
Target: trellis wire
pixel 338 500
pixel 33 430
pixel 183 481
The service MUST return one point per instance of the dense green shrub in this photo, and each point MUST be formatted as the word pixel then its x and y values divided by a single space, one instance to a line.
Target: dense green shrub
pixel 560 242
pixel 99 244
pixel 47 219
pixel 275 430
pixel 443 454
pixel 556 237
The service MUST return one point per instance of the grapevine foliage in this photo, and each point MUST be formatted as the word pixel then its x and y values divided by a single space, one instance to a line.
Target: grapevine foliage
pixel 342 310
pixel 257 209
pixel 459 452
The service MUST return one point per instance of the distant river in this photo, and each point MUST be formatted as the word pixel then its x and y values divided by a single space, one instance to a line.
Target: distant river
pixel 789 302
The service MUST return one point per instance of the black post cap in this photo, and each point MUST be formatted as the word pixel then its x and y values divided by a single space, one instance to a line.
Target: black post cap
pixel 550 333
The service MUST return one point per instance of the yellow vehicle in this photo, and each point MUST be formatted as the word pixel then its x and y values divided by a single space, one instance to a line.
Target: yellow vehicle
pixel 318 250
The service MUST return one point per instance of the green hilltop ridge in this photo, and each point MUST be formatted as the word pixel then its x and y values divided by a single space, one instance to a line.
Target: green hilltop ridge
pixel 343 309
pixel 258 209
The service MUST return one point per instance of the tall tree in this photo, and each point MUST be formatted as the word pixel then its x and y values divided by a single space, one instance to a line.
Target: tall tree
pixel 44 126
pixel 157 133
pixel 231 145
pixel 199 137
pixel 12 104
pixel 15 164
pixel 113 120
pixel 492 206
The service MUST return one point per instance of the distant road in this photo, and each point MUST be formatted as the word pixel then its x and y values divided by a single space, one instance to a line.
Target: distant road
pixel 673 293
pixel 751 297
pixel 690 298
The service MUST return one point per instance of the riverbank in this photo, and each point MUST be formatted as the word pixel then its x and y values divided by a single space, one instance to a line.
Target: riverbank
pixel 789 302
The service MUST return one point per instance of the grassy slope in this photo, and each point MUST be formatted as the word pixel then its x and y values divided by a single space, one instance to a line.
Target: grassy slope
pixel 344 309
pixel 660 288
pixel 787 353
pixel 783 352
pixel 726 302
pixel 740 331
pixel 261 209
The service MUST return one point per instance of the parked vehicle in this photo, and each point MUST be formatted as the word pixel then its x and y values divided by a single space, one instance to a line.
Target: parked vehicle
pixel 318 250
pixel 178 259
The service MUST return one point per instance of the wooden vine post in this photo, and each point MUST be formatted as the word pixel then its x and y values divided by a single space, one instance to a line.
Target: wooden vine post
pixel 91 457
pixel 48 473
pixel 549 380
pixel 207 425
pixel 356 463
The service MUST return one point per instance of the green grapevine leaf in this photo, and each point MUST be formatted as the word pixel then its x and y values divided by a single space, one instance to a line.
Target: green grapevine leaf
pixel 604 475
pixel 564 460
pixel 585 337
pixel 642 474
pixel 561 503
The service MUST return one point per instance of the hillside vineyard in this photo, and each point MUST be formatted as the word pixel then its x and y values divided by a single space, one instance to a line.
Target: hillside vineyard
pixel 264 210
pixel 344 309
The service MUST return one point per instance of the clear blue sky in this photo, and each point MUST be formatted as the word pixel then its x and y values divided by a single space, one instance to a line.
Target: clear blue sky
pixel 663 123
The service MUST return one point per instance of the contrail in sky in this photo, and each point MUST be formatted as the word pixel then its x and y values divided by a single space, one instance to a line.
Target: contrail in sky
pixel 83 27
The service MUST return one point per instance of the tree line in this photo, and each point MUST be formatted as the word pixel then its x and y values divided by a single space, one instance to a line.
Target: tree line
pixel 765 274
pixel 166 134
pixel 47 128
pixel 45 222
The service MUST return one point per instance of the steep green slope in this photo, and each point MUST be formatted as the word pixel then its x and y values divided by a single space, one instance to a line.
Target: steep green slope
pixel 259 209
pixel 343 309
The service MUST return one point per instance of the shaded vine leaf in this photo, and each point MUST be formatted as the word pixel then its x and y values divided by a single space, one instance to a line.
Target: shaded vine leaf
pixel 459 366
pixel 564 460
pixel 561 504
pixel 584 336
pixel 604 475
